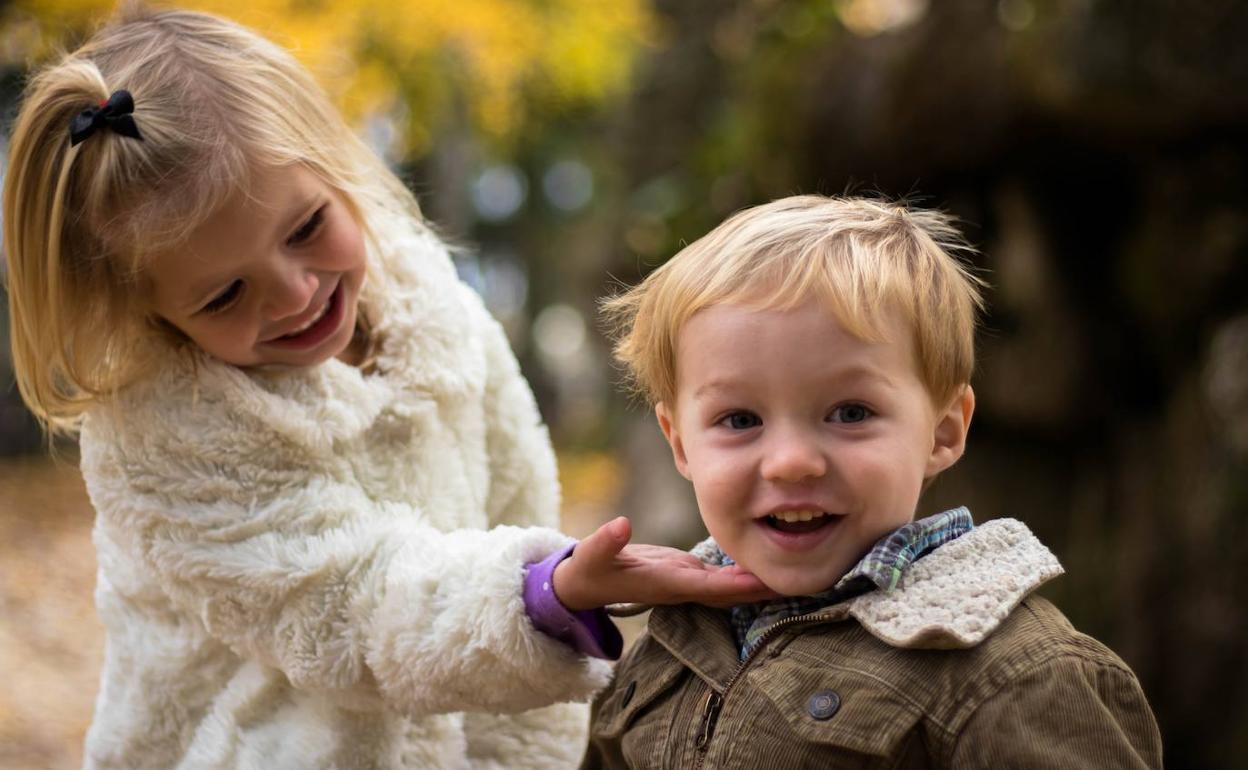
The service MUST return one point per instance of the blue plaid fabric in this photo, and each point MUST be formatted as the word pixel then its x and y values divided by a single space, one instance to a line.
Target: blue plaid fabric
pixel 881 568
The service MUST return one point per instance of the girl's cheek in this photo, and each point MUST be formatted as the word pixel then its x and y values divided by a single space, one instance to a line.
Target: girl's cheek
pixel 346 246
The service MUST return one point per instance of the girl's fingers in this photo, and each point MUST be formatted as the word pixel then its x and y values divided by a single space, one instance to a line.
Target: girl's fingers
pixel 621 530
pixel 606 541
pixel 742 588
pixel 722 587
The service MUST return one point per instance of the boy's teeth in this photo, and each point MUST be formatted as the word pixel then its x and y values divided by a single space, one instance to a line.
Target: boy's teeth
pixel 794 516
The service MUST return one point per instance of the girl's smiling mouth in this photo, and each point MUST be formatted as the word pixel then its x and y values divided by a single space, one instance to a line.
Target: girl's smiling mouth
pixel 321 327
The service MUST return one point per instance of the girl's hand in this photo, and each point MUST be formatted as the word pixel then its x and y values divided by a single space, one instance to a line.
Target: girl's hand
pixel 604 569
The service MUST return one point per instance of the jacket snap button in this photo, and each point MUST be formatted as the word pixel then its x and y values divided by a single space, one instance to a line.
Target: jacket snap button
pixel 823 704
pixel 628 694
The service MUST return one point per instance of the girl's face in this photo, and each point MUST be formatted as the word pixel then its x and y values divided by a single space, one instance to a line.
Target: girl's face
pixel 272 278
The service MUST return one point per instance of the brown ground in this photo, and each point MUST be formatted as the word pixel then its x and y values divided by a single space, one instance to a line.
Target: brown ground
pixel 51 643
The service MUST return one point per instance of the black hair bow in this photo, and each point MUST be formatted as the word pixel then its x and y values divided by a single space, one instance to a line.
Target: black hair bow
pixel 114 112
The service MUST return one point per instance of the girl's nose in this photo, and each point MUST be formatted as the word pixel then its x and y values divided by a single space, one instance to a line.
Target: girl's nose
pixel 794 457
pixel 289 293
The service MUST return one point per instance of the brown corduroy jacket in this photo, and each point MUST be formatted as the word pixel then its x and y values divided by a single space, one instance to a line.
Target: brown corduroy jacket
pixel 957 668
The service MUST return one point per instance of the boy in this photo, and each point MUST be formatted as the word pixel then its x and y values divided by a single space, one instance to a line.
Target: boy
pixel 809 361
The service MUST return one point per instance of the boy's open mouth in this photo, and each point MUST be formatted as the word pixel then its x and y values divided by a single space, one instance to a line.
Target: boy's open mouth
pixel 799 522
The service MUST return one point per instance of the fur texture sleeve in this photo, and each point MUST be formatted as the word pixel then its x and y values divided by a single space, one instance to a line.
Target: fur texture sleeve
pixel 298 569
pixel 524 484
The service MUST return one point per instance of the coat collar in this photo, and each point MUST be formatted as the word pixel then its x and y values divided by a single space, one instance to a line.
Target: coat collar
pixel 952 598
pixel 958 594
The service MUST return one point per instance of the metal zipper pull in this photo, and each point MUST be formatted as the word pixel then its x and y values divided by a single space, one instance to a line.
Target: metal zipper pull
pixel 710 715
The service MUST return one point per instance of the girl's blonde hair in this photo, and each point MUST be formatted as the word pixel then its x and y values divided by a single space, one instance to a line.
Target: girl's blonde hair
pixel 861 257
pixel 213 101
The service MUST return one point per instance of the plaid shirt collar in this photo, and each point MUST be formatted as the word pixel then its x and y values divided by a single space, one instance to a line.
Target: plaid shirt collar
pixel 881 568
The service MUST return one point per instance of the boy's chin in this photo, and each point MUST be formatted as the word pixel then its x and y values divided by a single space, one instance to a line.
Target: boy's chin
pixel 795 584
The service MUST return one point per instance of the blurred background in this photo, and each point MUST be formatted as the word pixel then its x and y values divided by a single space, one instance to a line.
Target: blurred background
pixel 1095 150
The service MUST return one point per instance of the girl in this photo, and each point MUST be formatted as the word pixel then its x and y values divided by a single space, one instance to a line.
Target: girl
pixel 317 472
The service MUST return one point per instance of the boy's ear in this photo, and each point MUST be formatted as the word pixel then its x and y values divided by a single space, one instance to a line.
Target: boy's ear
pixel 951 428
pixel 673 437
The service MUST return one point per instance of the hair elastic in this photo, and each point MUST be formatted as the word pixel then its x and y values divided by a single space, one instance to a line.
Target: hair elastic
pixel 114 113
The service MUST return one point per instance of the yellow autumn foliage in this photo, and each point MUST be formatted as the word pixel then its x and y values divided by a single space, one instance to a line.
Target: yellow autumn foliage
pixel 499 63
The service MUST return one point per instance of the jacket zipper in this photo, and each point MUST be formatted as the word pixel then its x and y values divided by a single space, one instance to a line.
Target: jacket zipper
pixel 710 715
pixel 714 702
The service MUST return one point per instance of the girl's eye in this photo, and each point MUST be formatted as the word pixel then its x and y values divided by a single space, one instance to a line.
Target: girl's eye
pixel 851 413
pixel 307 229
pixel 741 421
pixel 225 299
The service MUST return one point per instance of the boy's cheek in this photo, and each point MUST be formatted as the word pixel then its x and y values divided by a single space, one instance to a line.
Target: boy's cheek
pixel 718 496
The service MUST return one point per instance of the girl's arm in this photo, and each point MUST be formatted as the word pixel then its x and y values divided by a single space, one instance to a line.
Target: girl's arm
pixel 301 571
pixel 524 484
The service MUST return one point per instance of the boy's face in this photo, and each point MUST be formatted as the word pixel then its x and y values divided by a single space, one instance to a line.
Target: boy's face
pixel 805 445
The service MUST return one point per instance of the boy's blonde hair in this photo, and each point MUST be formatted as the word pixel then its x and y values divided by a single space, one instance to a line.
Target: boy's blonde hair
pixel 214 101
pixel 861 257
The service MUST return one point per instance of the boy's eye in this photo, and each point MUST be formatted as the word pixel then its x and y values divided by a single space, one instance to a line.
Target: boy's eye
pixel 850 413
pixel 223 300
pixel 307 229
pixel 741 421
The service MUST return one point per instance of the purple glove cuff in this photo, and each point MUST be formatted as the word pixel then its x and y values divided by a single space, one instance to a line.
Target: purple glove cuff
pixel 589 632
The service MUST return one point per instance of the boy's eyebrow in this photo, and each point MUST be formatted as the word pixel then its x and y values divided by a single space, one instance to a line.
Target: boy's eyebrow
pixel 853 373
pixel 707 388
pixel 861 372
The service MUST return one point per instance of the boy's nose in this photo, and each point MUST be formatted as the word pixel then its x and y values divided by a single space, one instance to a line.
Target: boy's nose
pixel 794 458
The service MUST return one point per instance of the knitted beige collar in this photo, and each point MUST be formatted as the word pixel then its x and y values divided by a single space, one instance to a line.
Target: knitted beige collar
pixel 958 594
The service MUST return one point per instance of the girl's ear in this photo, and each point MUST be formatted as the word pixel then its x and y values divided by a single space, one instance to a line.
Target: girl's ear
pixel 668 425
pixel 949 441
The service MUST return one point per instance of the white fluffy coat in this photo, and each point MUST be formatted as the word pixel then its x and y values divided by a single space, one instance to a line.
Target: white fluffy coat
pixel 322 568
